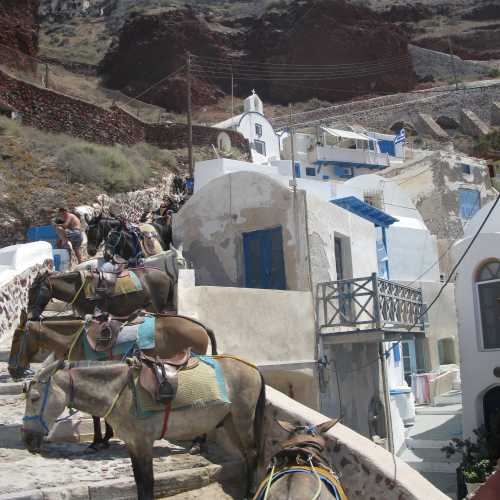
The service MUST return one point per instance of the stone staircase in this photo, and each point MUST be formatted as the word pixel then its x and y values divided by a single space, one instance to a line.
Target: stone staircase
pixel 434 427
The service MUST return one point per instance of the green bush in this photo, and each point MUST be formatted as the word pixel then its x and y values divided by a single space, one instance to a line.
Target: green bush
pixel 494 73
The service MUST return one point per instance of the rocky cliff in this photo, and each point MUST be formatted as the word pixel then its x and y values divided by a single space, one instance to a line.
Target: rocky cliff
pixel 331 33
pixel 19 25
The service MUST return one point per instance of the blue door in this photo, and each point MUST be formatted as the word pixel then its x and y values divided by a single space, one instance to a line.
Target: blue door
pixel 264 262
pixel 387 147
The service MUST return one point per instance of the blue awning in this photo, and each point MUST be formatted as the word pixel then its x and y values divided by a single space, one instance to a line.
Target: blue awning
pixel 365 210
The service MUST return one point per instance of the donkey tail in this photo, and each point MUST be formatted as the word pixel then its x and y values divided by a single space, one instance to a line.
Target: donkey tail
pixel 258 423
pixel 213 342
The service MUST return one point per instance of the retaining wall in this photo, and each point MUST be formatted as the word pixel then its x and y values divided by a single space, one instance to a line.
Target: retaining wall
pixel 19 264
pixel 49 110
pixel 368 471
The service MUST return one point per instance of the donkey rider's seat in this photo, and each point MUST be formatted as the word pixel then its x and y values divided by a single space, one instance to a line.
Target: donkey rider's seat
pixel 159 377
pixel 104 279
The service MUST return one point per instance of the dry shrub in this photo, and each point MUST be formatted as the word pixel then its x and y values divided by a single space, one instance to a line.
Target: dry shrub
pixel 113 169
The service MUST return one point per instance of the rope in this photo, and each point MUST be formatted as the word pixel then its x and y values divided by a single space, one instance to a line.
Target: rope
pixel 269 481
pixel 237 358
pixel 320 483
pixel 117 397
pixel 75 340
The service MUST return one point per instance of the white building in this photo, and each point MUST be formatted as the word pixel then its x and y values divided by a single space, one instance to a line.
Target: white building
pixel 256 128
pixel 324 153
pixel 478 310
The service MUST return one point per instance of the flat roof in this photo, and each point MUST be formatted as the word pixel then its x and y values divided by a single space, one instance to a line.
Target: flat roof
pixel 365 210
pixel 346 134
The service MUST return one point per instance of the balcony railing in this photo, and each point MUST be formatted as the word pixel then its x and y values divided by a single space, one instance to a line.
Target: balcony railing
pixel 369 303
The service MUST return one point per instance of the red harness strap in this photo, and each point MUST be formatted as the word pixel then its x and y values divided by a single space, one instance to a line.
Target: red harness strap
pixel 164 429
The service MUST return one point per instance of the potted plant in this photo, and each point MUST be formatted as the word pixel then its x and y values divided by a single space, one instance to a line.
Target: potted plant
pixel 479 454
pixel 476 474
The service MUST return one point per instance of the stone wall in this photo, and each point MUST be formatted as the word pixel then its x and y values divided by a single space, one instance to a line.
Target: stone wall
pixel 367 471
pixel 381 113
pixel 14 297
pixel 49 110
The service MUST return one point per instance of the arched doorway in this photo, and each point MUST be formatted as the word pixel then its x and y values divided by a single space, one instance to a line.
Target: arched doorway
pixel 491 406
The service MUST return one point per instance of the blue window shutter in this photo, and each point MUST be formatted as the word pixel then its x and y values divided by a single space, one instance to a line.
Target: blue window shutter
pixel 469 202
pixel 397 353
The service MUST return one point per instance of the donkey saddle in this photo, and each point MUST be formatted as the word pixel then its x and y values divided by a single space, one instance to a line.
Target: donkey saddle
pixel 159 377
pixel 103 332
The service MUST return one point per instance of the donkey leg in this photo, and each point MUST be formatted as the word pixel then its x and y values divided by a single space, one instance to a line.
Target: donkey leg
pixel 94 446
pixel 107 435
pixel 199 445
pixel 142 465
pixel 244 443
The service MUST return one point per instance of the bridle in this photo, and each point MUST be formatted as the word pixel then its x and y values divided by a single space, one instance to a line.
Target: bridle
pixel 46 383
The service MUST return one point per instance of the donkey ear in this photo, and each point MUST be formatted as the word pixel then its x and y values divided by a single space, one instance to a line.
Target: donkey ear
pixel 287 426
pixel 326 426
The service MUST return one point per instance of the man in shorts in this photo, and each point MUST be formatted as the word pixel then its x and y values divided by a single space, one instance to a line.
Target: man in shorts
pixel 69 228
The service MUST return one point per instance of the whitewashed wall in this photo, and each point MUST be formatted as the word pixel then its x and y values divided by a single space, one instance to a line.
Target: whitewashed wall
pixel 476 363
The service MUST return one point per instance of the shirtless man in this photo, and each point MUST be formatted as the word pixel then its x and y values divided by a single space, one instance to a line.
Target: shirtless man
pixel 69 228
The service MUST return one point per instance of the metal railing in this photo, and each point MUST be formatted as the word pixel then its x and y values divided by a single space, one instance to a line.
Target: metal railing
pixel 369 303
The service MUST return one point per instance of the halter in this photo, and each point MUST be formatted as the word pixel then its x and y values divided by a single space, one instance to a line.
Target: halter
pixel 302 455
pixel 39 417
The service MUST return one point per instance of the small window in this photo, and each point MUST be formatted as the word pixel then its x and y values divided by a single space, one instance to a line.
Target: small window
pixel 465 168
pixel 258 129
pixel 311 171
pixel 260 147
pixel 348 172
pixel 326 177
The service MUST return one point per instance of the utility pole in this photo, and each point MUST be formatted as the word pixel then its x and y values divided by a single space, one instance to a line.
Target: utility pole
pixel 232 95
pixel 291 132
pixel 189 117
pixel 453 67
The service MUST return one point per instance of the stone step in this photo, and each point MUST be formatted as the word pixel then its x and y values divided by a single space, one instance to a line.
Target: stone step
pixel 167 484
pixel 419 444
pixel 429 460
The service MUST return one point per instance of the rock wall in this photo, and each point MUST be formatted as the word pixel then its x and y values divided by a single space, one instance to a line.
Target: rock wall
pixel 49 110
pixel 14 297
pixel 381 113
pixel 19 25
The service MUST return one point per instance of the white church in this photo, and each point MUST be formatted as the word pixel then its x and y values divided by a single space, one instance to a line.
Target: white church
pixel 256 128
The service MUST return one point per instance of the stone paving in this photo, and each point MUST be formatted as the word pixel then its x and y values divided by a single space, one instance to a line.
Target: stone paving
pixel 434 427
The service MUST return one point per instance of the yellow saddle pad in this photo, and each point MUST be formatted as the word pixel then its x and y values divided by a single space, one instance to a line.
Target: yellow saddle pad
pixel 200 386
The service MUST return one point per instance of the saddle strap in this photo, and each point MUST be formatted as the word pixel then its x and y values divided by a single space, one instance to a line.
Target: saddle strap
pixel 166 416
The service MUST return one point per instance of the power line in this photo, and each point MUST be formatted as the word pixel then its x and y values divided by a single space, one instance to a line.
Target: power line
pixel 455 267
pixel 178 70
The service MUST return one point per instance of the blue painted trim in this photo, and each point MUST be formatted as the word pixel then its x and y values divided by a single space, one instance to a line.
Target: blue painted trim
pixel 349 164
pixel 366 211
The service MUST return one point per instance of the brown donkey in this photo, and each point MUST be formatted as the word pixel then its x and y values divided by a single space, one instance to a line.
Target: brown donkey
pixel 173 334
pixel 105 389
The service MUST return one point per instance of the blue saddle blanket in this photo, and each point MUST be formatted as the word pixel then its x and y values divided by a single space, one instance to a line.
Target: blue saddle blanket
pixel 130 338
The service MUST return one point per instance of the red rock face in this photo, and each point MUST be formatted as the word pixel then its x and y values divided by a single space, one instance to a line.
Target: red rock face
pixel 332 32
pixel 152 46
pixel 19 25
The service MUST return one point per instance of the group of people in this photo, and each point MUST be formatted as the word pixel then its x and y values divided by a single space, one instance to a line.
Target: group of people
pixel 69 229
